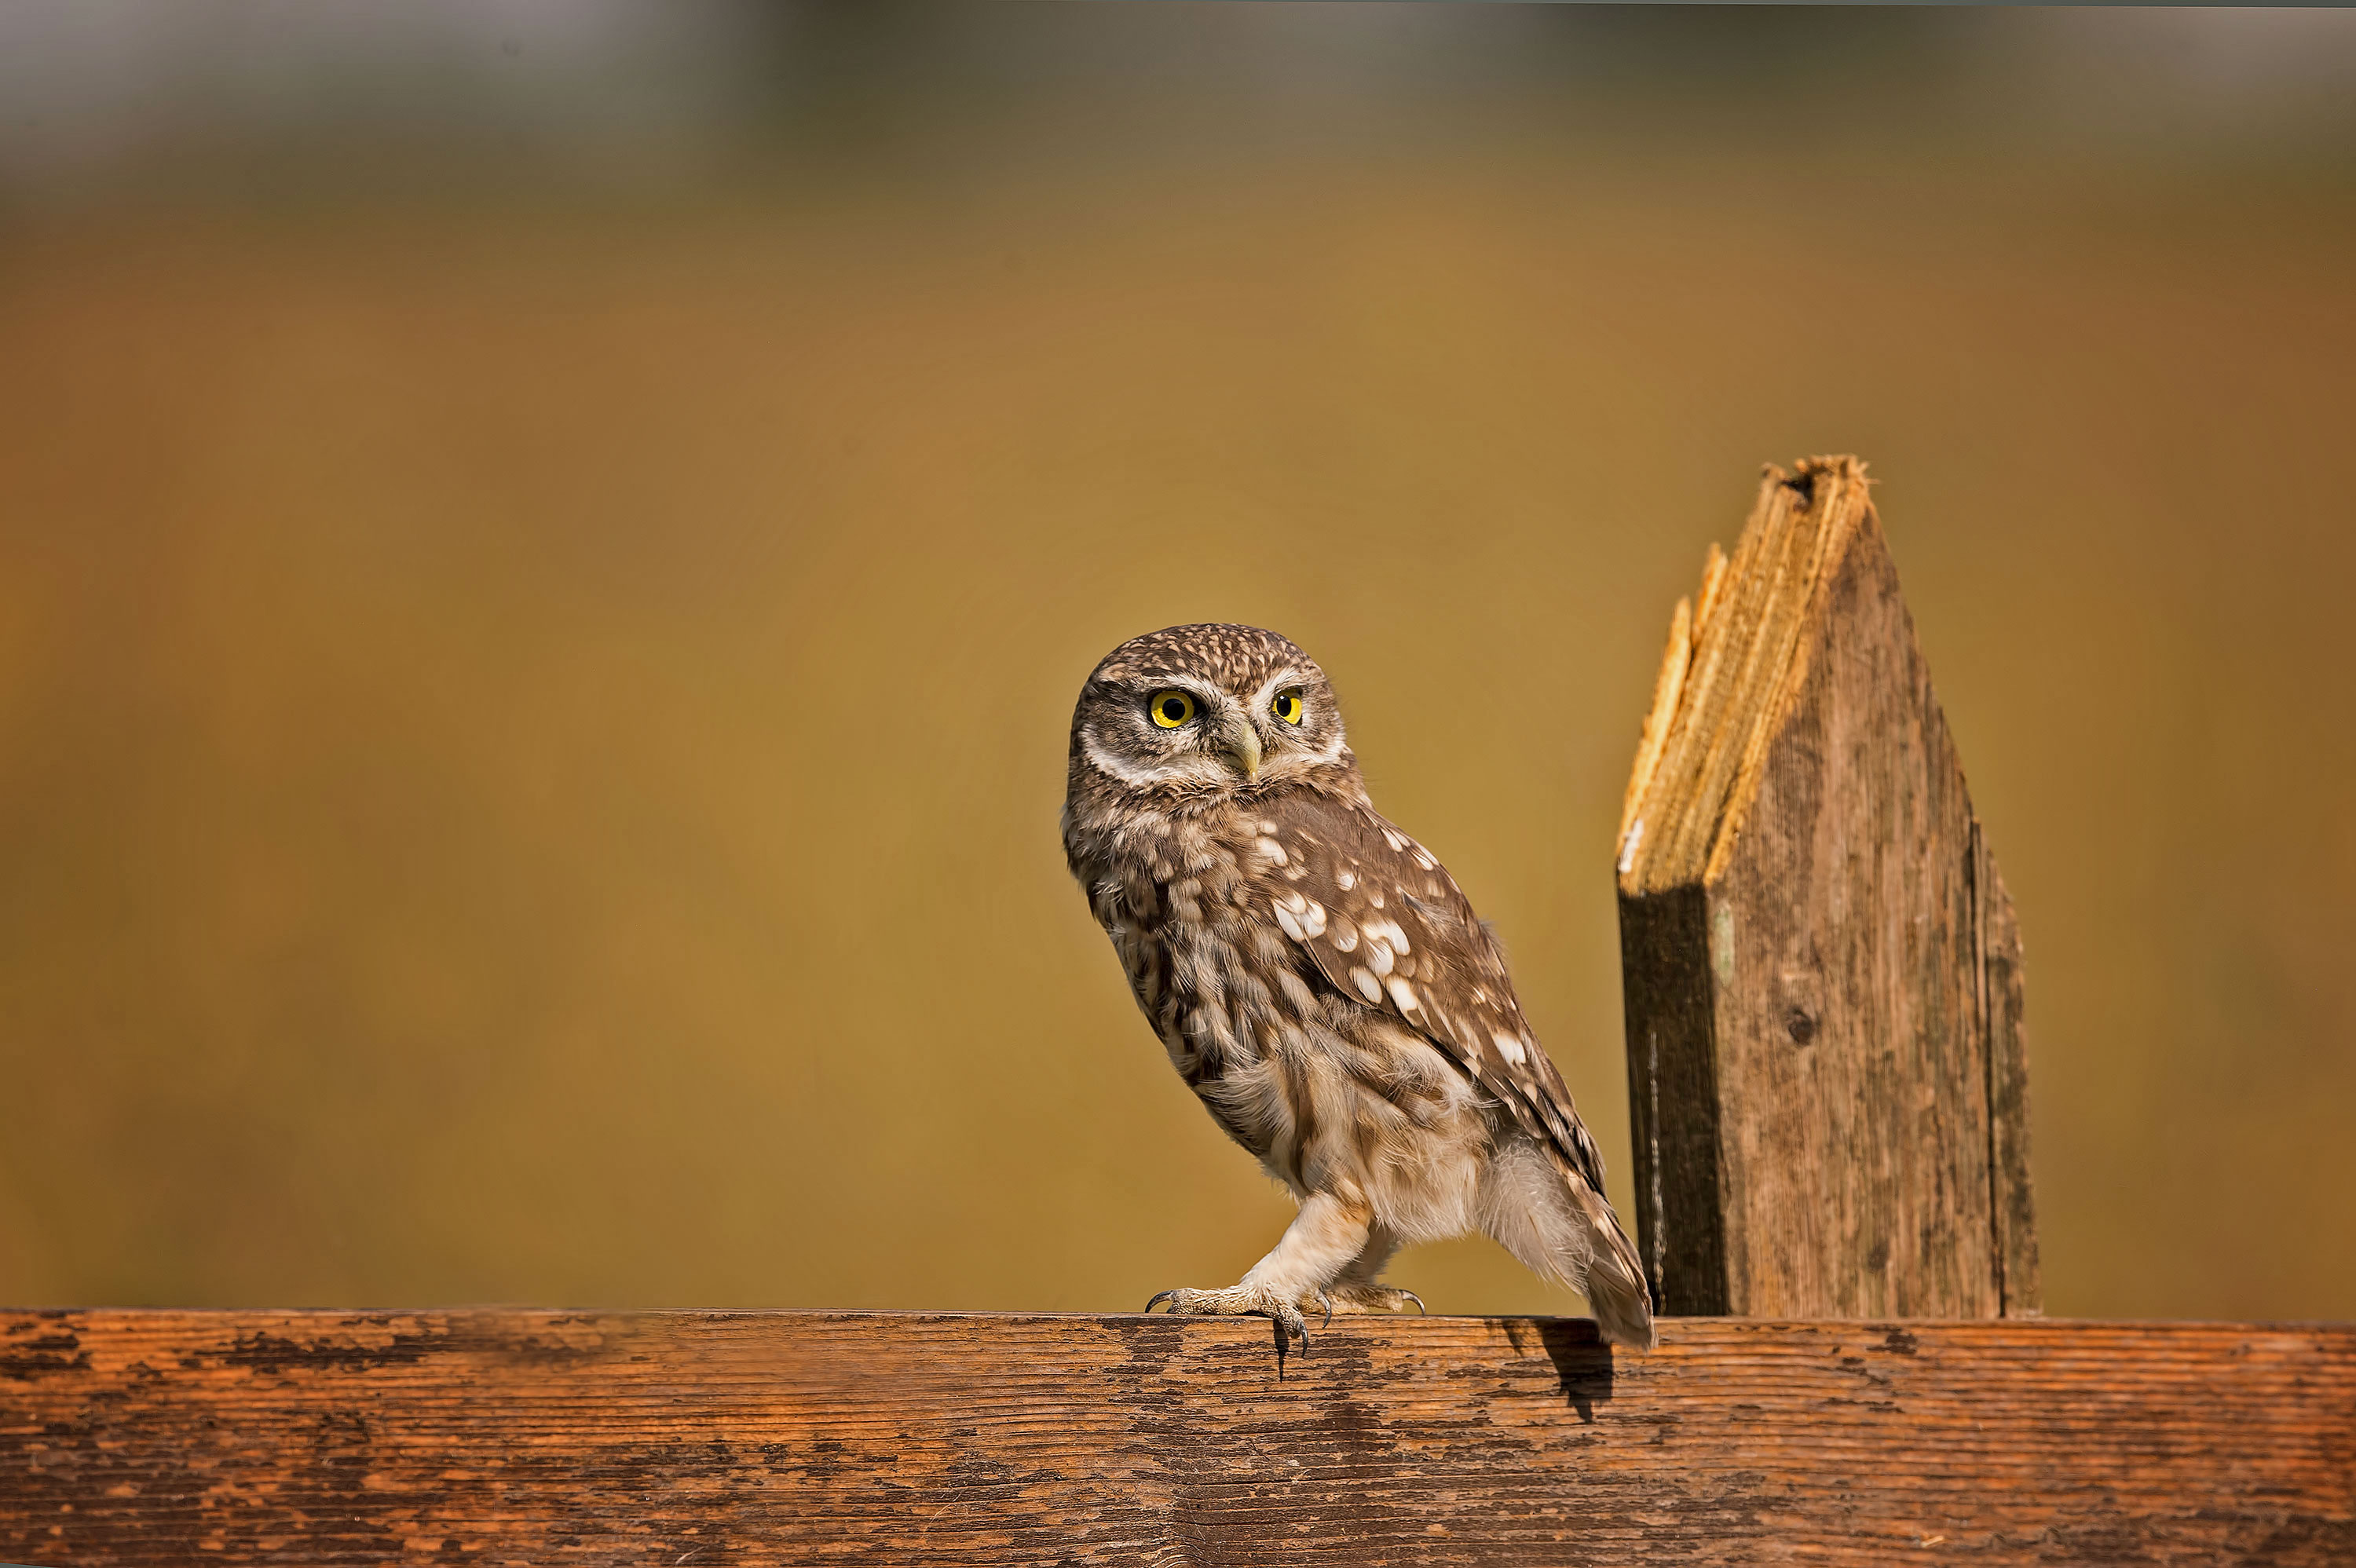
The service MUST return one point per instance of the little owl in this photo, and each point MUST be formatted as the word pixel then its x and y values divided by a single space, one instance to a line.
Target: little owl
pixel 1322 984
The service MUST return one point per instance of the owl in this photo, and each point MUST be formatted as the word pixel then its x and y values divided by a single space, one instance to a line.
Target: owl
pixel 1322 985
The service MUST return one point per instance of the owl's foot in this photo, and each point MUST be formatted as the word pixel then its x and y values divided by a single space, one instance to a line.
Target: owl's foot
pixel 1240 1301
pixel 1351 1298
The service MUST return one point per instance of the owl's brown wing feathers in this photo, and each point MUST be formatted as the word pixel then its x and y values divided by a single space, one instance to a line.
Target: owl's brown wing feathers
pixel 1386 924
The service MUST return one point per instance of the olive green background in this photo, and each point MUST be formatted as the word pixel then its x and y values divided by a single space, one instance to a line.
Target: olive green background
pixel 542 576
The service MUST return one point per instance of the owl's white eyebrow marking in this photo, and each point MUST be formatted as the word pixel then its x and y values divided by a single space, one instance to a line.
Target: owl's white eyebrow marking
pixel 1277 683
pixel 1147 683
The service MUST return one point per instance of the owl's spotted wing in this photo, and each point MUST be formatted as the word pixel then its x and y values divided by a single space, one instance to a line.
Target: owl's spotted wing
pixel 1385 924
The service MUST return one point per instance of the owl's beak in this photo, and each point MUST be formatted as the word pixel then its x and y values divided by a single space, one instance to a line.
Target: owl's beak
pixel 1241 744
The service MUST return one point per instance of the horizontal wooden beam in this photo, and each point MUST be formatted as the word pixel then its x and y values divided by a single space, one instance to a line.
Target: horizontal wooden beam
pixel 708 1438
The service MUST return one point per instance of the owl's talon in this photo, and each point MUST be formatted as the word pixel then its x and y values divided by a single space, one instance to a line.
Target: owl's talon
pixel 1357 1298
pixel 1289 1321
pixel 1325 1301
pixel 1239 1301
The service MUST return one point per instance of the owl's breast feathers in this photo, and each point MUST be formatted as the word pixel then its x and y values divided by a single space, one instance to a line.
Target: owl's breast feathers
pixel 1346 913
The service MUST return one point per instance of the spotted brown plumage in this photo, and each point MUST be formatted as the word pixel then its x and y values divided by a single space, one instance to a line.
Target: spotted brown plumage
pixel 1322 984
pixel 1382 919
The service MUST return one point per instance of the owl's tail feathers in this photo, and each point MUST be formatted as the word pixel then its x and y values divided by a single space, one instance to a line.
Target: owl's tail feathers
pixel 1615 1278
pixel 1561 1227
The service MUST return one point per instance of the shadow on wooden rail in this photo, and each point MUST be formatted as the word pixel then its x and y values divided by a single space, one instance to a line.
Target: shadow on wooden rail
pixel 705 1438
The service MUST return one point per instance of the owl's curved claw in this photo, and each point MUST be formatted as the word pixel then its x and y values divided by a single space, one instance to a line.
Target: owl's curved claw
pixel 1372 1298
pixel 1239 1301
pixel 1326 1301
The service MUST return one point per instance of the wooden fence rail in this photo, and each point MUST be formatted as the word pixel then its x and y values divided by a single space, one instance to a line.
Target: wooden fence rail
pixel 708 1438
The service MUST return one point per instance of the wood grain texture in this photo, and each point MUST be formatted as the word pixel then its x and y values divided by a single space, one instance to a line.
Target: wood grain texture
pixel 147 1438
pixel 1821 966
pixel 2012 1209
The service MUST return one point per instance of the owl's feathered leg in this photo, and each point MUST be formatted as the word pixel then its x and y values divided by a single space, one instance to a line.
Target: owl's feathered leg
pixel 1358 1288
pixel 1328 1234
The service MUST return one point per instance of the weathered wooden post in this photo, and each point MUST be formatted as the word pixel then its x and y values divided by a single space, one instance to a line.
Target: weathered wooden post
pixel 1822 975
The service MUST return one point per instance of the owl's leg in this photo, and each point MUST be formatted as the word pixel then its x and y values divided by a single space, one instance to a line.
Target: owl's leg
pixel 1357 1289
pixel 1329 1233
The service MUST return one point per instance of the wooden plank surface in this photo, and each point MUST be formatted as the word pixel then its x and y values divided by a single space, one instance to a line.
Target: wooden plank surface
pixel 706 1439
pixel 1822 971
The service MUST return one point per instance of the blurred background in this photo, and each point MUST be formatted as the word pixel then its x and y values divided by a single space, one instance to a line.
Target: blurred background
pixel 546 548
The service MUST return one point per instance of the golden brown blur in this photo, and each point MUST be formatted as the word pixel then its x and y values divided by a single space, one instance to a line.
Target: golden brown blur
pixel 546 552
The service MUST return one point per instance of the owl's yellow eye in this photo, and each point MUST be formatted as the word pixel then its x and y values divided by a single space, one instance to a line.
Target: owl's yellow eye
pixel 1289 707
pixel 1171 709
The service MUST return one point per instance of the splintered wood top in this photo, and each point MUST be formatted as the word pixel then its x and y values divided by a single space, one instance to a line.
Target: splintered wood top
pixel 706 1439
pixel 1735 658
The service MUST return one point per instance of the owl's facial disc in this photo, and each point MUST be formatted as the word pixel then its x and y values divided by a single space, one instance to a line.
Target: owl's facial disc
pixel 1198 711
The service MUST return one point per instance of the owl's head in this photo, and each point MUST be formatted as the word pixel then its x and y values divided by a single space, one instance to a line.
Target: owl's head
pixel 1208 710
